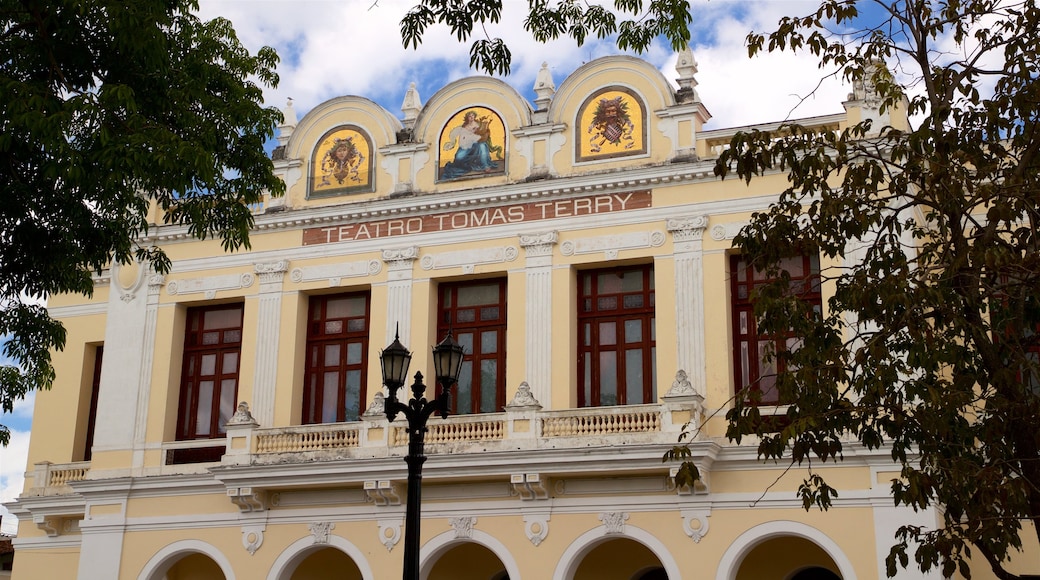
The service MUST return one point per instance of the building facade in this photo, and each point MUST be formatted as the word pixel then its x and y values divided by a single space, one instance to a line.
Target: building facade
pixel 225 420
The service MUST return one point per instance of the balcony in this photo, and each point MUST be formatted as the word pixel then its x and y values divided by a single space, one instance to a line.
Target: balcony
pixel 518 429
pixel 369 451
pixel 525 447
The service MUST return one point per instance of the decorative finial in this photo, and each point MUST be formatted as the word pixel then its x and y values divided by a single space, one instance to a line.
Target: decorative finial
pixel 411 105
pixel 242 416
pixel 686 66
pixel 285 130
pixel 544 88
pixel 289 114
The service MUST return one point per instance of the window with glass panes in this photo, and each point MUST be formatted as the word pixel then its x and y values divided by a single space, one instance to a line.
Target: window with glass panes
pixel 475 313
pixel 337 353
pixel 617 337
pixel 754 363
pixel 209 377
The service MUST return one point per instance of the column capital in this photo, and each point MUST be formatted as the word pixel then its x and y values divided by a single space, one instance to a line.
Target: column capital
pixel 400 258
pixel 688 228
pixel 271 272
pixel 540 244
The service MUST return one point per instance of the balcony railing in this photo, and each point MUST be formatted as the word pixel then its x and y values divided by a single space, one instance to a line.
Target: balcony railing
pixel 308 438
pixel 517 428
pixel 54 478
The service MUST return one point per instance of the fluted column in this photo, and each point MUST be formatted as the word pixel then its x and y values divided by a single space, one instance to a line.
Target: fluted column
pixel 688 255
pixel 268 330
pixel 538 314
pixel 399 264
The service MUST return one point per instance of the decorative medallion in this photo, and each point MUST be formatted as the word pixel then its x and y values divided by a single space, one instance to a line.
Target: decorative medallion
pixel 472 144
pixel 611 123
pixel 342 163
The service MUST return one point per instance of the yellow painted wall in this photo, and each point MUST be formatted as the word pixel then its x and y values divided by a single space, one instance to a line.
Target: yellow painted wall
pixel 60 412
pixel 58 563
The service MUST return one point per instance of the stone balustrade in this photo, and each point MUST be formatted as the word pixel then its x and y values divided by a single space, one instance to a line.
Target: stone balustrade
pixel 54 478
pixel 519 427
pixel 522 426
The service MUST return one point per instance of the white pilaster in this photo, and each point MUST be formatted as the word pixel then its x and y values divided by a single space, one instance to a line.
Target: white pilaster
pixel 155 282
pixel 888 518
pixel 102 534
pixel 538 314
pixel 126 368
pixel 399 264
pixel 268 330
pixel 689 296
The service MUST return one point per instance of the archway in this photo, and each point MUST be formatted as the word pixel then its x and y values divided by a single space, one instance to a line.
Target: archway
pixel 656 561
pixel 304 558
pixel 432 553
pixel 188 560
pixel 195 567
pixel 786 558
pixel 468 561
pixel 784 550
pixel 619 558
pixel 316 565
pixel 815 573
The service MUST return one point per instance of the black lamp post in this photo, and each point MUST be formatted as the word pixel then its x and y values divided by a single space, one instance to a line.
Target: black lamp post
pixel 447 363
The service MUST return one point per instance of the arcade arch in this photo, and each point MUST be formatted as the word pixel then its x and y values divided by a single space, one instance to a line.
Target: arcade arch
pixel 788 549
pixel 635 552
pixel 439 558
pixel 188 559
pixel 302 560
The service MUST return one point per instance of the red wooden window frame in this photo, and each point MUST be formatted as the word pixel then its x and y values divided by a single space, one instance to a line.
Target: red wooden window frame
pixel 480 327
pixel 337 358
pixel 749 346
pixel 212 354
pixel 1031 351
pixel 95 390
pixel 617 342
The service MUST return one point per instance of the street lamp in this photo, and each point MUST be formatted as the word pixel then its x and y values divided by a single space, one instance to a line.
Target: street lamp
pixel 447 363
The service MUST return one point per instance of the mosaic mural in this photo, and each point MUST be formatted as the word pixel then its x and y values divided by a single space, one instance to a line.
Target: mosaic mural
pixel 342 163
pixel 472 145
pixel 611 123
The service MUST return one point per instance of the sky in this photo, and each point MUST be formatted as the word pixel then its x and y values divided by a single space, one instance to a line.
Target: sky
pixel 331 48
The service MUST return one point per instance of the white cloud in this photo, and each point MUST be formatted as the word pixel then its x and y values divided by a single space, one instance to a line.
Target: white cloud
pixel 331 48
pixel 23 409
pixel 13 458
pixel 12 476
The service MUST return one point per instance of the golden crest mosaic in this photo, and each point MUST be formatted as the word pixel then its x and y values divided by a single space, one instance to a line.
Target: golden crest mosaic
pixel 342 163
pixel 611 123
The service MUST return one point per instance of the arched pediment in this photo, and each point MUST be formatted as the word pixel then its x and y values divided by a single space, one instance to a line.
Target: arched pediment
pixel 636 75
pixel 337 144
